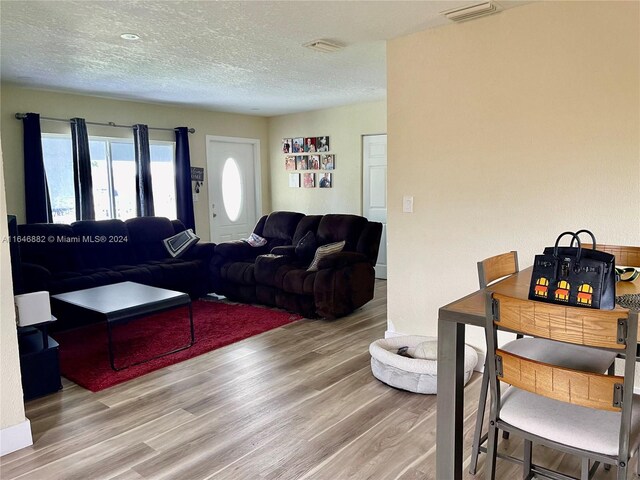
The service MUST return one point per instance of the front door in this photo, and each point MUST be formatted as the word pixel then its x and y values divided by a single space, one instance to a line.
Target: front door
pixel 374 191
pixel 233 175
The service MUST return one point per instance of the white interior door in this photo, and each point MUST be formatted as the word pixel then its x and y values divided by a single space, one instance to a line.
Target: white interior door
pixel 233 177
pixel 374 191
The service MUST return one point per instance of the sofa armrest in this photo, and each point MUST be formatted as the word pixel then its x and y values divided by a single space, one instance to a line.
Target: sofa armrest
pixel 199 251
pixel 287 250
pixel 341 259
pixel 36 277
pixel 238 250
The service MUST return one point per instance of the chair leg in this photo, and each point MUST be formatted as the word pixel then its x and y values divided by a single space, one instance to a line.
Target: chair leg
pixel 638 461
pixel 526 464
pixel 584 473
pixel 492 448
pixel 482 405
pixel 622 470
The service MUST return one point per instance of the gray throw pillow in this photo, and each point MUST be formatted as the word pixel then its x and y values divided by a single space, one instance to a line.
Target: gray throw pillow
pixel 180 242
pixel 325 251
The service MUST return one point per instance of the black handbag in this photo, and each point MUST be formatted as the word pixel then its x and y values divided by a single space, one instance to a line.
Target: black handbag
pixel 574 276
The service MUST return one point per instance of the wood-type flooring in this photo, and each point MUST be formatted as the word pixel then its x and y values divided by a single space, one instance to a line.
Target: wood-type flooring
pixel 297 402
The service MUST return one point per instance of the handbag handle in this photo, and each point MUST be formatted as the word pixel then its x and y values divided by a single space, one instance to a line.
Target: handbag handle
pixel 593 237
pixel 575 237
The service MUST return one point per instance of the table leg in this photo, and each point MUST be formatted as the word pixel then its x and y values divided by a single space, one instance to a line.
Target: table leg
pixel 110 346
pixel 450 400
pixel 192 340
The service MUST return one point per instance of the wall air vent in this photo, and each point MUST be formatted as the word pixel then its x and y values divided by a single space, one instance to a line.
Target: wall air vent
pixel 473 11
pixel 323 46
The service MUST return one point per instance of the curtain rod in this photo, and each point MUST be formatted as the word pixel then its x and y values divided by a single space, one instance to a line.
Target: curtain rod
pixel 21 116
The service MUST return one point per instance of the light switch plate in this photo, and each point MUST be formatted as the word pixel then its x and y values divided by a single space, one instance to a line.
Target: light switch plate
pixel 407 204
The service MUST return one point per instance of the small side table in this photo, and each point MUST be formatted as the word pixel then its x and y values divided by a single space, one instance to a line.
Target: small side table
pixel 39 361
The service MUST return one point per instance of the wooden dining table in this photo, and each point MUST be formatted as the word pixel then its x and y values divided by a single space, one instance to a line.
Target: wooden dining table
pixel 452 320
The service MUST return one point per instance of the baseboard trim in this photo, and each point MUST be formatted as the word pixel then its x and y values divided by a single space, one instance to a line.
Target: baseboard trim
pixel 15 437
pixel 391 334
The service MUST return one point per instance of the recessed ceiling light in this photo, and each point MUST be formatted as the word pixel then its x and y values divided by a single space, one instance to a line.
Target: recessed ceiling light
pixel 130 36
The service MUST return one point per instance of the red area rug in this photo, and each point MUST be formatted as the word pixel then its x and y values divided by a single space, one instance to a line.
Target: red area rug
pixel 84 357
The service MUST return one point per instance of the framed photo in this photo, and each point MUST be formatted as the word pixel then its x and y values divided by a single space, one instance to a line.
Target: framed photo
pixel 294 180
pixel 301 162
pixel 308 180
pixel 326 180
pixel 310 144
pixel 322 144
pixel 328 162
pixel 314 162
pixel 290 162
pixel 286 145
pixel 297 145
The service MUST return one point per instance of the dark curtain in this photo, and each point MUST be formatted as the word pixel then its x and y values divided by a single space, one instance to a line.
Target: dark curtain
pixel 36 191
pixel 82 183
pixel 144 191
pixel 184 198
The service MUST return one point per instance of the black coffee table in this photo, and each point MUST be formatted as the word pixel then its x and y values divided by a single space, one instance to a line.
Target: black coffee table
pixel 124 302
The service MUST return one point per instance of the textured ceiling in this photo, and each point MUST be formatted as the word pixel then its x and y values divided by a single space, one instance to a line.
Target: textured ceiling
pixel 233 56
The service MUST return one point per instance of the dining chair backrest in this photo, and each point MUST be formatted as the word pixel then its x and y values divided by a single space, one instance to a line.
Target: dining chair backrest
pixel 493 268
pixel 580 326
pixel 627 256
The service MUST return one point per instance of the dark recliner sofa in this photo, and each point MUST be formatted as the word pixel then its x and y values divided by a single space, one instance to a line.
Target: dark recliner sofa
pixel 276 274
pixel 61 258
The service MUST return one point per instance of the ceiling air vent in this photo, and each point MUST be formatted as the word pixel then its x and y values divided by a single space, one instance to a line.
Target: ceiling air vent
pixel 323 46
pixel 473 11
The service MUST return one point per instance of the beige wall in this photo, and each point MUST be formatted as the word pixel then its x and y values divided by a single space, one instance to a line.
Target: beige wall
pixel 60 105
pixel 11 406
pixel 345 127
pixel 508 130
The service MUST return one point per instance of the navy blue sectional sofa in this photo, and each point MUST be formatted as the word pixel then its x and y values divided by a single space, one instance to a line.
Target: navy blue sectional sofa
pixel 61 258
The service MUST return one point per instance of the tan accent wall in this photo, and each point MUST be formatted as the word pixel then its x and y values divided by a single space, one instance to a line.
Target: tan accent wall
pixel 508 130
pixel 345 126
pixel 63 105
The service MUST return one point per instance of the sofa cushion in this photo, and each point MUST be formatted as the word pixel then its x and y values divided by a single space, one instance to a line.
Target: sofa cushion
pixel 281 225
pixel 238 272
pixel 102 243
pixel 335 228
pixel 146 235
pixel 306 247
pixel 299 281
pixel 50 245
pixel 237 250
pixel 308 224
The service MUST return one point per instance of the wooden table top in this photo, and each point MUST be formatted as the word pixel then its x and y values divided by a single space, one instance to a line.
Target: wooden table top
pixel 471 309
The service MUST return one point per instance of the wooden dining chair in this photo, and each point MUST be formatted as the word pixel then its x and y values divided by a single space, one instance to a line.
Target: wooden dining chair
pixel 627 256
pixel 498 267
pixel 591 415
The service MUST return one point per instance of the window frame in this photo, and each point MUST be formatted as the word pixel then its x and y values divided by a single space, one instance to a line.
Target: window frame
pixel 109 159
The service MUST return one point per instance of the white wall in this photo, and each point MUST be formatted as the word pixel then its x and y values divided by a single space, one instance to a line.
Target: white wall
pixel 63 105
pixel 345 127
pixel 508 130
pixel 14 428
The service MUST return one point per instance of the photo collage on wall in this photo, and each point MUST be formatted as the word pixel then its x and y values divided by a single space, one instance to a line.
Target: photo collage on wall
pixel 309 155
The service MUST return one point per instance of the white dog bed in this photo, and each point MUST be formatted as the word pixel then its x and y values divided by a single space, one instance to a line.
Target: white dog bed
pixel 413 374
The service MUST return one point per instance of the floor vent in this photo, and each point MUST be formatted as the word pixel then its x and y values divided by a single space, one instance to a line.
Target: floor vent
pixel 473 11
